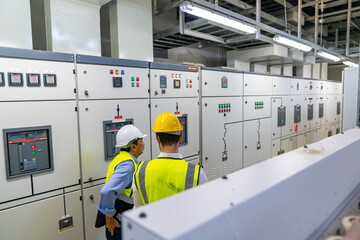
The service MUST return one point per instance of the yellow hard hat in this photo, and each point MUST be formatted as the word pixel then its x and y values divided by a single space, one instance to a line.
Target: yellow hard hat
pixel 167 122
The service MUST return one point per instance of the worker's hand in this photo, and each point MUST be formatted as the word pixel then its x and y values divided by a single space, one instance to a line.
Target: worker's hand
pixel 354 231
pixel 111 224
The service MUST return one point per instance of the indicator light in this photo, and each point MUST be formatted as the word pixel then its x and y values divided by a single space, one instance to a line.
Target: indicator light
pixel 137 79
pixel 190 81
pixel 33 152
pixel 179 75
pixel 133 85
pixel 117 72
pixel 138 85
pixel 122 72
pixel 32 146
pixel 132 79
pixel 111 71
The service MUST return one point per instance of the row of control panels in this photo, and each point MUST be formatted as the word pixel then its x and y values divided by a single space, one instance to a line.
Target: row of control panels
pixel 32 79
pixel 297 112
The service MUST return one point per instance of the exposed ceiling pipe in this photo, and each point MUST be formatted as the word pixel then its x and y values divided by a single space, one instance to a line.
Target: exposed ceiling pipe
pixel 299 17
pixel 316 34
pixel 258 15
pixel 348 28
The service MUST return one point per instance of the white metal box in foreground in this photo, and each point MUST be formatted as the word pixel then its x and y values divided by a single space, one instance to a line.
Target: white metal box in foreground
pixel 265 193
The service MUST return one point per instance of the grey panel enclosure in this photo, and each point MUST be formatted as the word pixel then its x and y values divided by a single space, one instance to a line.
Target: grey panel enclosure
pixel 28 151
pixel 281 116
pixel 183 122
pixel 321 110
pixel 110 131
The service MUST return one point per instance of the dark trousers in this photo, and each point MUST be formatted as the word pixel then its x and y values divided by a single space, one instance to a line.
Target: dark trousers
pixel 120 207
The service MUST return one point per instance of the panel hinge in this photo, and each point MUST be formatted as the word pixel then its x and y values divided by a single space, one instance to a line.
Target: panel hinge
pixel 74 90
pixel 149 105
pixel 76 109
pixel 148 90
pixel 74 71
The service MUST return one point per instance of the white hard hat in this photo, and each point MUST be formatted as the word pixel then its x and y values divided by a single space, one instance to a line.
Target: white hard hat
pixel 126 135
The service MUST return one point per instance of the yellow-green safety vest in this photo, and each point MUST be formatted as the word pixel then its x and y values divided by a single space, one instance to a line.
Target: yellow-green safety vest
pixel 163 177
pixel 121 157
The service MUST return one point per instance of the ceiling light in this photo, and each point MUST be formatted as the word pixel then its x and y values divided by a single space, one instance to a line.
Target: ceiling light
pixel 328 56
pixel 215 17
pixel 351 64
pixel 291 43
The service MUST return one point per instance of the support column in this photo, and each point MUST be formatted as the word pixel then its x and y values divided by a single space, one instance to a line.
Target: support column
pixel 299 17
pixel 348 29
pixel 316 22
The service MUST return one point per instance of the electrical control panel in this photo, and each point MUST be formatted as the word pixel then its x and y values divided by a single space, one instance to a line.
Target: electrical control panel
pixel 281 116
pixel 46 77
pixel 333 87
pixel 310 110
pixel 187 111
pixel 297 86
pixel 170 80
pixel 280 86
pixel 111 78
pixel 257 84
pixel 110 131
pixel 28 150
pixel 99 121
pixel 222 134
pixel 257 147
pixel 221 82
pixel 256 107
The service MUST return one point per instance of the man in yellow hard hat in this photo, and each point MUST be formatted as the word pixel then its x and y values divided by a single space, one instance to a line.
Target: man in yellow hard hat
pixel 116 194
pixel 169 173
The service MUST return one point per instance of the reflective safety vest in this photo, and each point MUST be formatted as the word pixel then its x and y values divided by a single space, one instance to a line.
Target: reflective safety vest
pixel 163 177
pixel 121 157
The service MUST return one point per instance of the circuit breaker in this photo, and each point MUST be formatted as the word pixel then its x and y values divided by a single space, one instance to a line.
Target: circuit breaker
pixel 281 116
pixel 338 108
pixel 310 111
pixel 297 113
pixel 224 82
pixel 2 79
pixel 27 151
pixel 321 110
pixel 110 131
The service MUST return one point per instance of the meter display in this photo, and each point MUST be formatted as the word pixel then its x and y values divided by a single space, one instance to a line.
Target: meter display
pixel 183 122
pixel 297 113
pixel 338 108
pixel 321 110
pixel 50 80
pixel 110 131
pixel 117 82
pixel 281 116
pixel 176 83
pixel 163 82
pixel 28 151
pixel 2 79
pixel 15 79
pixel 33 80
pixel 224 82
pixel 310 111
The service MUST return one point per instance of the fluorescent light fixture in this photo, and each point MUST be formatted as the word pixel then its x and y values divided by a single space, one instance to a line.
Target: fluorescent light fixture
pixel 328 56
pixel 215 17
pixel 351 64
pixel 291 43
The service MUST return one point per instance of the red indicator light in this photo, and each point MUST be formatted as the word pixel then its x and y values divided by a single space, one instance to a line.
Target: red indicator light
pixel 111 71
pixel 172 76
pixel 190 86
pixel 229 110
pixel 137 79
pixel 137 85
pixel 190 81
pixel 32 146
pixel 219 111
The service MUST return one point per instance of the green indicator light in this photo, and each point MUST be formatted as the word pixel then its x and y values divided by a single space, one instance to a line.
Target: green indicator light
pixel 133 84
pixel 132 79
pixel 187 81
pixel 33 152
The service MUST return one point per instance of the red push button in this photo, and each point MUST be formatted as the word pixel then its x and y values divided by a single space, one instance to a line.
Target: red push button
pixel 32 146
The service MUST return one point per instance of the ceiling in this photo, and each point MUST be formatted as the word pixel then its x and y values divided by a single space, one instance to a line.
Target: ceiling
pixel 333 18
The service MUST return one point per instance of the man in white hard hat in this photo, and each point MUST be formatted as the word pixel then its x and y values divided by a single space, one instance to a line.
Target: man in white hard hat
pixel 116 194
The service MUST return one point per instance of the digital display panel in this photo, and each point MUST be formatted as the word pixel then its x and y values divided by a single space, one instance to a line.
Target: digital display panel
pixel 15 79
pixel 33 79
pixel 2 79
pixel 49 80
pixel 176 83
pixel 117 82
pixel 163 83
